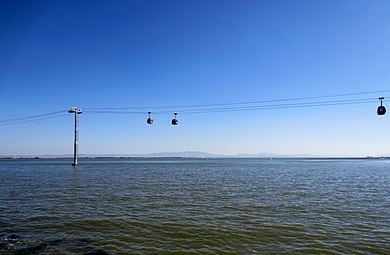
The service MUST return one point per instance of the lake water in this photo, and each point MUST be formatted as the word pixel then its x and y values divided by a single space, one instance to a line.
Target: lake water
pixel 198 206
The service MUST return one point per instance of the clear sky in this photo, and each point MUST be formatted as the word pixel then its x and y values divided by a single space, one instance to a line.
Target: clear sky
pixel 102 54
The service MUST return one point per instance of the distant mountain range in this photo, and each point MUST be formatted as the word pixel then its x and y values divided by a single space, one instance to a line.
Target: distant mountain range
pixel 183 154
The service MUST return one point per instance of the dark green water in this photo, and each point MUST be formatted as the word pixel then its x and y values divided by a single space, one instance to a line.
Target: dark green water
pixel 218 206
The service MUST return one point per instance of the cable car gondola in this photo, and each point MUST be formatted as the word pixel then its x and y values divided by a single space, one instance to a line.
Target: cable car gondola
pixel 175 122
pixel 381 109
pixel 149 120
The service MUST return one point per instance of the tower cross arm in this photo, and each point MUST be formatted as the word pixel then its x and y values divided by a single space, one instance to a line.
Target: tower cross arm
pixel 75 110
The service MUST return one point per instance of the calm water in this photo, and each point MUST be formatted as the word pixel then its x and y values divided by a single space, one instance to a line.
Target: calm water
pixel 219 206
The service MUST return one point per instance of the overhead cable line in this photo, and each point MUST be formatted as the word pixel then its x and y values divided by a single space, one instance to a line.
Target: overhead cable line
pixel 32 120
pixel 235 103
pixel 274 107
pixel 249 107
pixel 31 117
pixel 212 108
pixel 289 105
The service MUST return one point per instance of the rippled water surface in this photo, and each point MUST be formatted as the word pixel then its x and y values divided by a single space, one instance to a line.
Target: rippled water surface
pixel 215 206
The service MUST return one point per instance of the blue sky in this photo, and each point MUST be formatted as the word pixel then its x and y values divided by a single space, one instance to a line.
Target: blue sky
pixel 101 54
